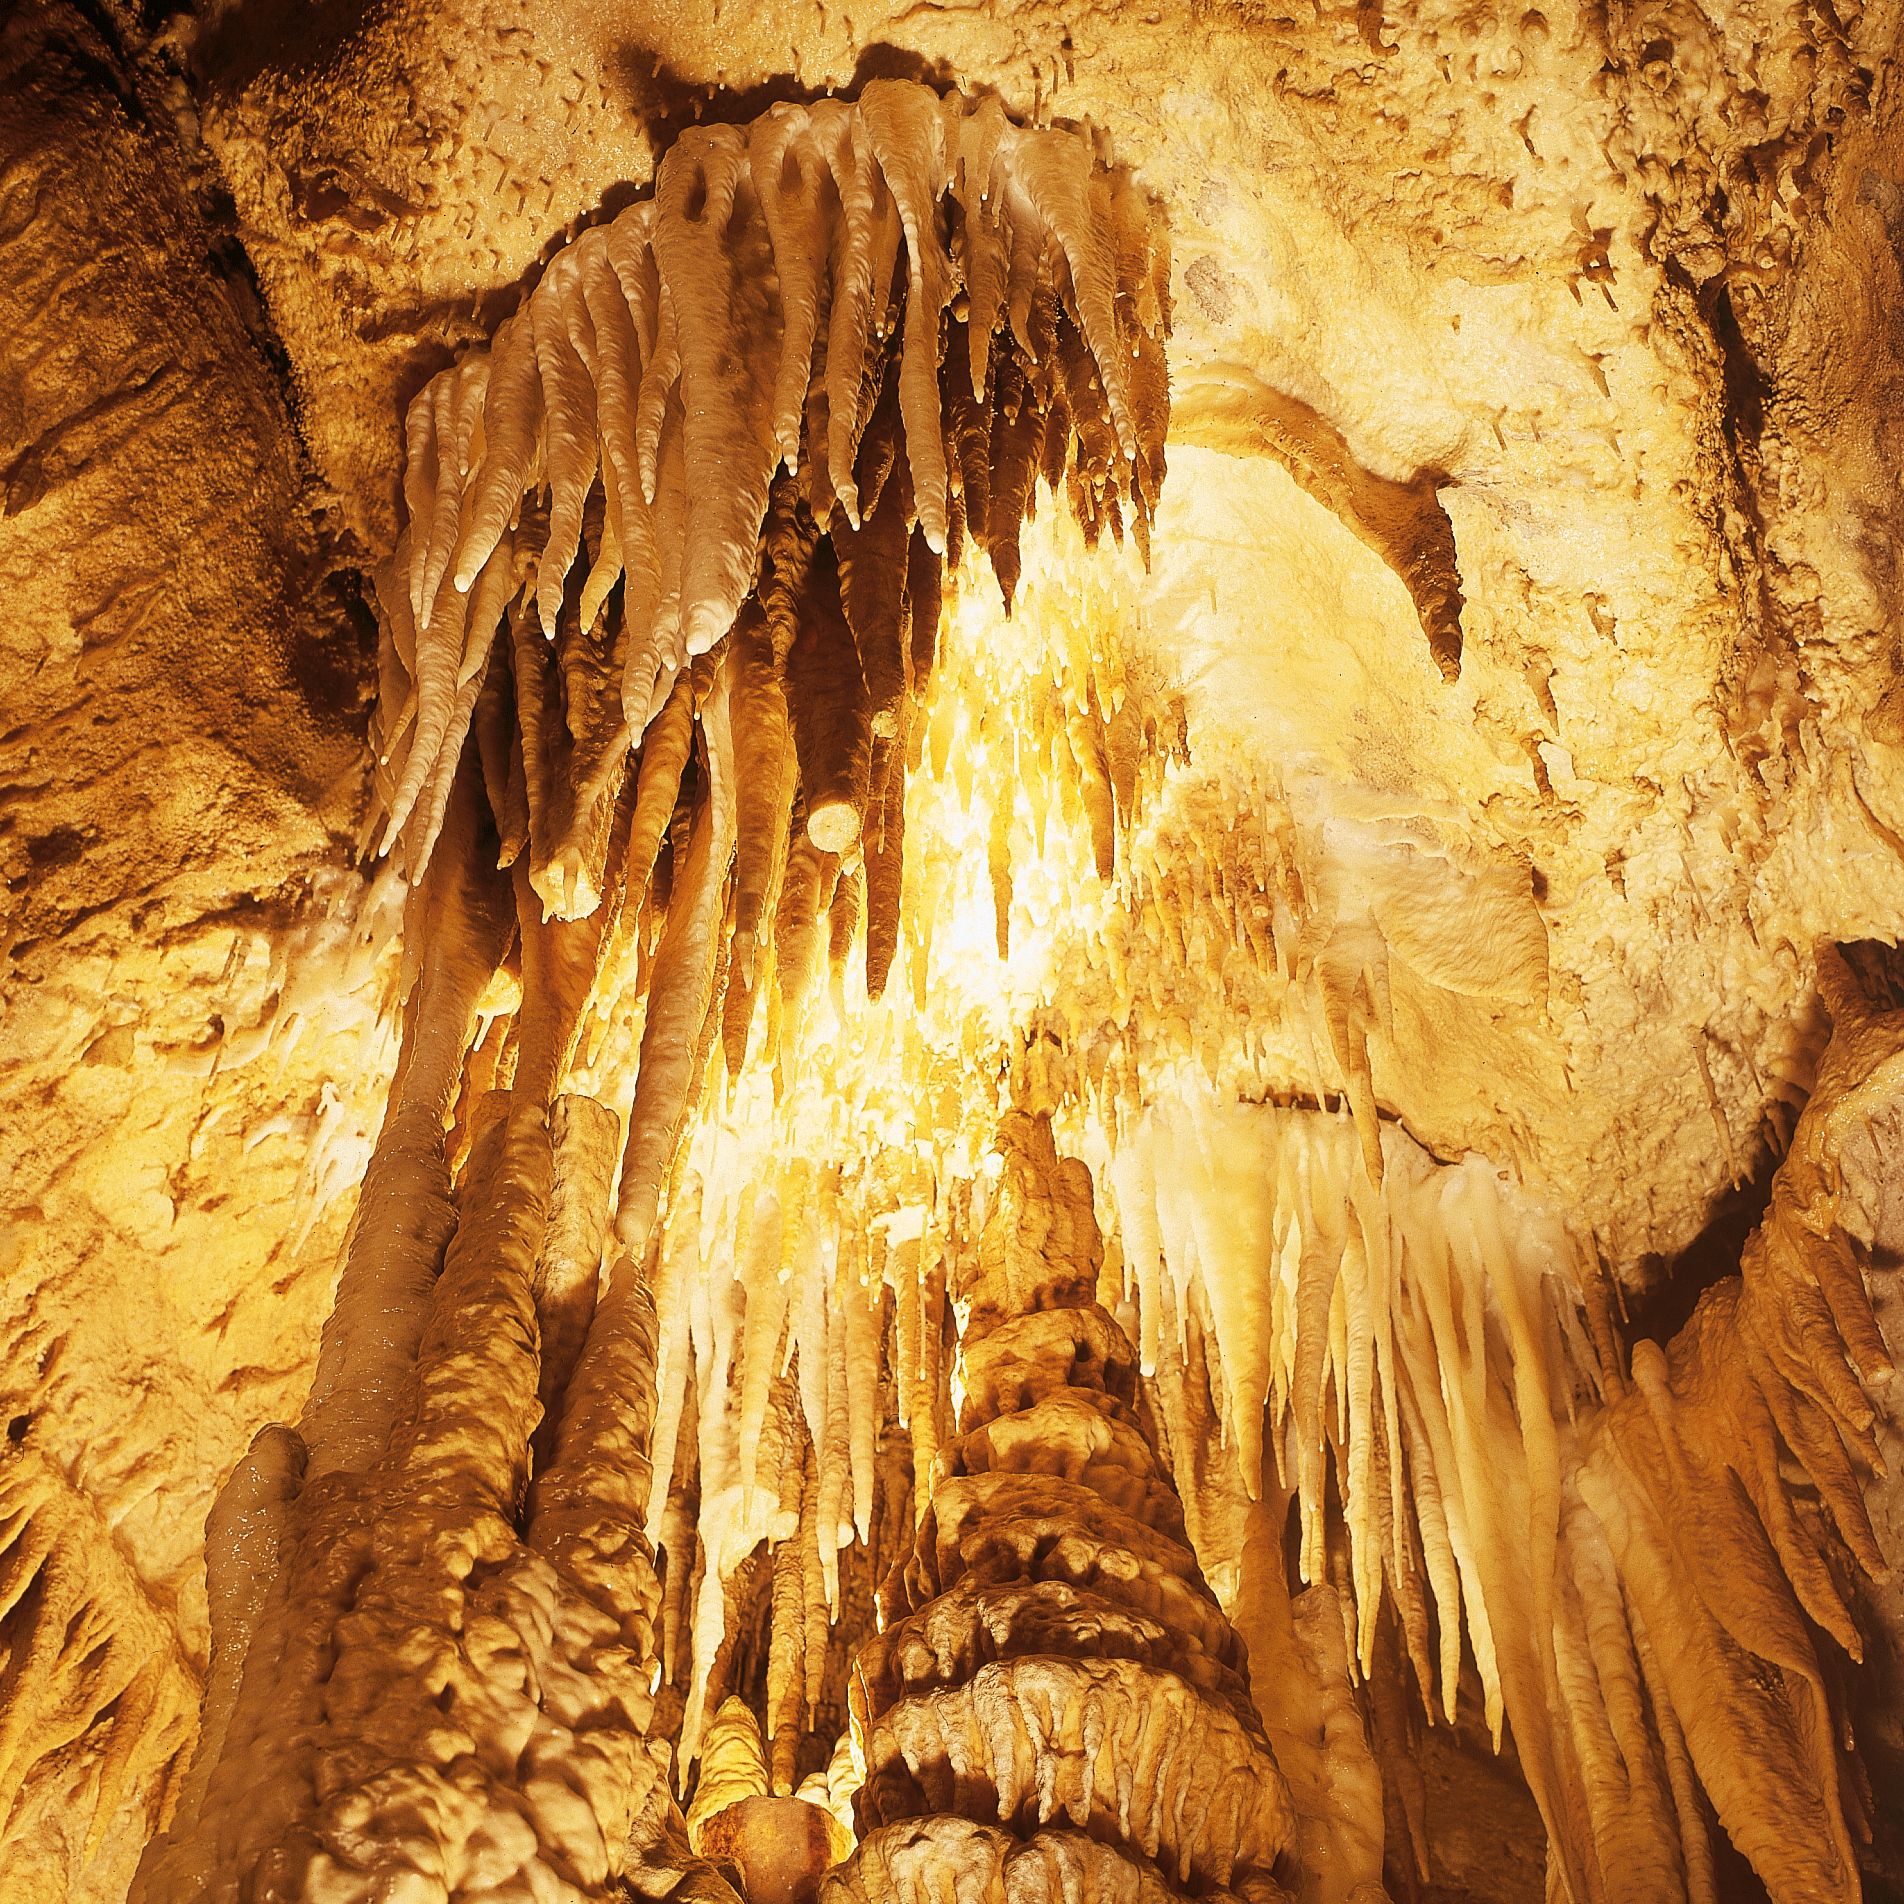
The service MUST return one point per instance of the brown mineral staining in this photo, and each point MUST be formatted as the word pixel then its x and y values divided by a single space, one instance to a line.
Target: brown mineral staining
pixel 1434 862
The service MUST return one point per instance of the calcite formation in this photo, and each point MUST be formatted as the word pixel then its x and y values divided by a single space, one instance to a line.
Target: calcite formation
pixel 1197 1212
pixel 779 305
pixel 778 1846
pixel 433 1606
pixel 428 1676
pixel 1055 1706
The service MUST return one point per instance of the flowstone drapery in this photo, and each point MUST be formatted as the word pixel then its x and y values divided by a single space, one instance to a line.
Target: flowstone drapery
pixel 434 1603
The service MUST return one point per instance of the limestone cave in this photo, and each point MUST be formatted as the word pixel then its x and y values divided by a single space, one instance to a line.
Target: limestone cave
pixel 951 952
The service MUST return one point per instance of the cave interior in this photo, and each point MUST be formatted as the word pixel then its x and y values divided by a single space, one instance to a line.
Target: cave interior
pixel 951 954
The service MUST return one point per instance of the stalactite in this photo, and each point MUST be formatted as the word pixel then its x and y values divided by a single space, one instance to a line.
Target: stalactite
pixel 831 716
pixel 1711 1558
pixel 646 392
pixel 403 1217
pixel 765 779
pixel 885 855
pixel 682 985
pixel 1434 1330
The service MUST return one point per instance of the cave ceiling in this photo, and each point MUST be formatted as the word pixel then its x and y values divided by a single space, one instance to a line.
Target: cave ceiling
pixel 1538 273
pixel 1512 731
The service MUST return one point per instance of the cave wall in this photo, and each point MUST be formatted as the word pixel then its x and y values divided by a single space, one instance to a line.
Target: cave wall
pixel 184 696
pixel 1613 290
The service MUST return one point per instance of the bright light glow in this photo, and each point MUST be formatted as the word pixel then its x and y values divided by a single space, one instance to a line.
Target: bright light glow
pixel 1041 751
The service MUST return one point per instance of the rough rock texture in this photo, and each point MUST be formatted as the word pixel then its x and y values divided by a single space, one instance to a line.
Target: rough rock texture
pixel 1569 332
pixel 184 696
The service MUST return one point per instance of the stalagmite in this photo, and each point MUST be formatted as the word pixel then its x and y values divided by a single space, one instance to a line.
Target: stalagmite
pixel 733 1768
pixel 786 1661
pixel 1050 1657
pixel 779 1845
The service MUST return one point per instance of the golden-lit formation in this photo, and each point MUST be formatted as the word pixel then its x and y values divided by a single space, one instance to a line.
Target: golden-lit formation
pixel 773 1137
pixel 447 1681
pixel 1415 1352
pixel 1055 1706
pixel 908 304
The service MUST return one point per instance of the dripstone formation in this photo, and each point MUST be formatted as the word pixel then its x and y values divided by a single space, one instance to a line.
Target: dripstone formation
pixel 565 702
pixel 1055 1707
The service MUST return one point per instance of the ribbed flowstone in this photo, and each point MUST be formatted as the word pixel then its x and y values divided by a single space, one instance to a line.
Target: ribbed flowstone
pixel 1055 1706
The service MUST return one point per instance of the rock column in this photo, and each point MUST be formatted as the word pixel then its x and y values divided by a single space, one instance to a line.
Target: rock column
pixel 1055 1706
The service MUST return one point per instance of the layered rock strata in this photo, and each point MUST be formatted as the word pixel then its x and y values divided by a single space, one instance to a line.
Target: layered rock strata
pixel 1055 1706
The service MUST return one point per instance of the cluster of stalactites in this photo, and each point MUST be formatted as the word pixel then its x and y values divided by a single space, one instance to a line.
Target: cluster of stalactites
pixel 1055 1705
pixel 753 418
pixel 1640 1564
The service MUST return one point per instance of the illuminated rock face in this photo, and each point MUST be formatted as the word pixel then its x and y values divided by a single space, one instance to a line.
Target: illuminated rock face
pixel 1420 884
pixel 181 706
pixel 1055 1705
